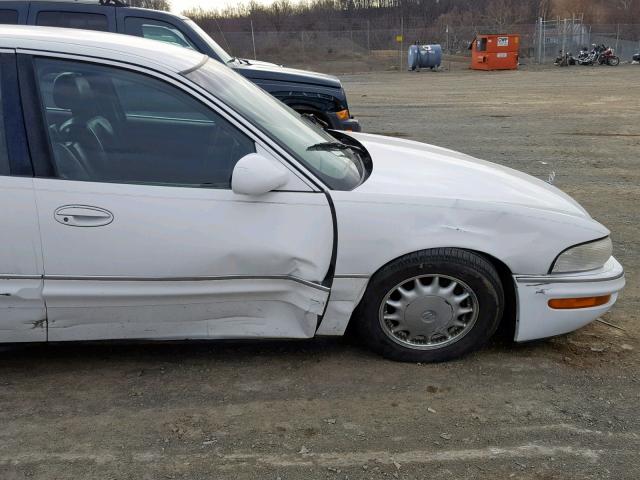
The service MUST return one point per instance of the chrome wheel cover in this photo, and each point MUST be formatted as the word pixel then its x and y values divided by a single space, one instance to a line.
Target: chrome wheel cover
pixel 428 312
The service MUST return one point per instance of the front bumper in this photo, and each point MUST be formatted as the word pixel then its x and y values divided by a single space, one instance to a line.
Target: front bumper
pixel 537 320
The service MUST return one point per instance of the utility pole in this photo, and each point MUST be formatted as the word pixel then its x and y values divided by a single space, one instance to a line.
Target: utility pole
pixel 447 30
pixel 564 37
pixel 540 28
pixel 368 37
pixel 544 41
pixel 401 39
pixel 253 39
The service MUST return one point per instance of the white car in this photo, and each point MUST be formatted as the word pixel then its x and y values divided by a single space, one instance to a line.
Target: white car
pixel 149 192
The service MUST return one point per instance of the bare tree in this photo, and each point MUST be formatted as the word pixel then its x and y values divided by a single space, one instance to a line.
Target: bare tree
pixel 503 13
pixel 280 11
pixel 153 4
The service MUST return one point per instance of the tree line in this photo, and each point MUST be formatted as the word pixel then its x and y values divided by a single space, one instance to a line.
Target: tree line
pixel 282 15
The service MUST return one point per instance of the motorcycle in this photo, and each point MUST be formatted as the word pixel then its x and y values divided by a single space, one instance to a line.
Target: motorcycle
pixel 636 58
pixel 608 57
pixel 586 56
pixel 564 59
pixel 599 54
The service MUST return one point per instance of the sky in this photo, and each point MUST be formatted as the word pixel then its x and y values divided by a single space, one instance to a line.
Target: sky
pixel 178 6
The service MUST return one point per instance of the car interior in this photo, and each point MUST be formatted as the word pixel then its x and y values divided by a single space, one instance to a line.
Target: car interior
pixel 108 125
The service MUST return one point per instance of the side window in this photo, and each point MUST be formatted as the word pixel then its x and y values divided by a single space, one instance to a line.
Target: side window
pixel 85 21
pixel 111 125
pixel 4 158
pixel 8 16
pixel 481 45
pixel 156 30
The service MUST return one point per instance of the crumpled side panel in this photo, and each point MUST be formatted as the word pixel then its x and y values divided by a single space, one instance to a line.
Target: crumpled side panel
pixel 242 308
pixel 345 296
pixel 22 312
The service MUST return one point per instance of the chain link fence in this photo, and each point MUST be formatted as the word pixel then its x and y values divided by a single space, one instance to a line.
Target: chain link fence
pixel 362 48
pixel 571 35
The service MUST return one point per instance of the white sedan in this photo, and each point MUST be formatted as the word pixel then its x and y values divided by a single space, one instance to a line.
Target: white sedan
pixel 149 192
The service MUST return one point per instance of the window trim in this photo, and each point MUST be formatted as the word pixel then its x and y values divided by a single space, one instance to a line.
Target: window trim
pixel 15 131
pixel 39 143
pixel 5 162
pixel 37 136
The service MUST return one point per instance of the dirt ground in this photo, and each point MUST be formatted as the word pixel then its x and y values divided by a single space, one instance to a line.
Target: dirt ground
pixel 564 408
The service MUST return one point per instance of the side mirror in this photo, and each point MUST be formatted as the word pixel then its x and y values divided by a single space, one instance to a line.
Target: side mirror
pixel 255 174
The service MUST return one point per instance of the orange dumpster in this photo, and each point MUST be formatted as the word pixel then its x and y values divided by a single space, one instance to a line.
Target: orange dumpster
pixel 495 52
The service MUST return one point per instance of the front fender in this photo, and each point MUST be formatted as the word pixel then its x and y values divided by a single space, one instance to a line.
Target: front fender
pixel 374 229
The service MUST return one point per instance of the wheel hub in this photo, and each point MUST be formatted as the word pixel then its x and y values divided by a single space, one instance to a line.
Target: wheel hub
pixel 428 314
pixel 429 311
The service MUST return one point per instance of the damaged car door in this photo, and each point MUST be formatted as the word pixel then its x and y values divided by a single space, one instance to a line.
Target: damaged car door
pixel 143 235
pixel 22 312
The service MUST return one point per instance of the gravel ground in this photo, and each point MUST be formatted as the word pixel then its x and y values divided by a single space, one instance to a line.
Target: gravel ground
pixel 561 408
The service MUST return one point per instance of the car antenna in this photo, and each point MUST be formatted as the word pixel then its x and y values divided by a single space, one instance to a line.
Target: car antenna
pixel 215 19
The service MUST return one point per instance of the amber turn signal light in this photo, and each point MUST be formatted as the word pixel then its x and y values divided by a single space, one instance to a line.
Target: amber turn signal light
pixel 584 302
pixel 343 114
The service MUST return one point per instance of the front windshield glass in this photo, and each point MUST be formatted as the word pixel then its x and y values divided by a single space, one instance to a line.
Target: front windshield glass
pixel 341 168
pixel 224 56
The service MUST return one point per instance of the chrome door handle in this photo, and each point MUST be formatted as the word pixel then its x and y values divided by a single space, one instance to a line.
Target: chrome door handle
pixel 82 216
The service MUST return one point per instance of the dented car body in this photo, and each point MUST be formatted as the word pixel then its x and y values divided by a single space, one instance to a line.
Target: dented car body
pixel 118 223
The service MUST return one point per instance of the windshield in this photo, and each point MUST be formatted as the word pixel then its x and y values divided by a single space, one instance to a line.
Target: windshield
pixel 224 56
pixel 340 167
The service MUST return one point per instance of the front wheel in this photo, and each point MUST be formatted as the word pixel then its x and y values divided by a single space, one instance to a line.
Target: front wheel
pixel 613 61
pixel 431 306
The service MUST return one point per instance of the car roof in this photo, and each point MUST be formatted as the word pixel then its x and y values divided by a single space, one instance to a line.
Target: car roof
pixel 80 3
pixel 111 46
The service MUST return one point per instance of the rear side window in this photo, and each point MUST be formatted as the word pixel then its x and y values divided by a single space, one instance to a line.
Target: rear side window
pixel 4 158
pixel 86 21
pixel 156 30
pixel 8 16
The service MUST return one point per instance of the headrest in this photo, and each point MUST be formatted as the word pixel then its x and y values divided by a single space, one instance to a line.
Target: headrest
pixel 71 91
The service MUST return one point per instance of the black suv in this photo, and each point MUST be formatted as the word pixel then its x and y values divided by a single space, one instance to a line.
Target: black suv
pixel 315 94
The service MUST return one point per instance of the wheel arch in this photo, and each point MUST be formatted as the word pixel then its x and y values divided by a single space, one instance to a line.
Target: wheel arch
pixel 309 108
pixel 507 326
pixel 510 313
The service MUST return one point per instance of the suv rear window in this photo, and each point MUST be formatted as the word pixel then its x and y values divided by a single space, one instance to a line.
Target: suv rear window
pixel 8 16
pixel 86 21
pixel 156 30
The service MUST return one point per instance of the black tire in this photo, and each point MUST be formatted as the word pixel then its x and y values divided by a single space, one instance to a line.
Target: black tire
pixel 474 270
pixel 613 61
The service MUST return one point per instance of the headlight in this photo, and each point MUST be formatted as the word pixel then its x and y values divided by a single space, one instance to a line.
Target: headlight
pixel 587 256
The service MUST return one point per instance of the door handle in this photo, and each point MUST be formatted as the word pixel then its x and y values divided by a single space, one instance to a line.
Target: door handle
pixel 82 216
